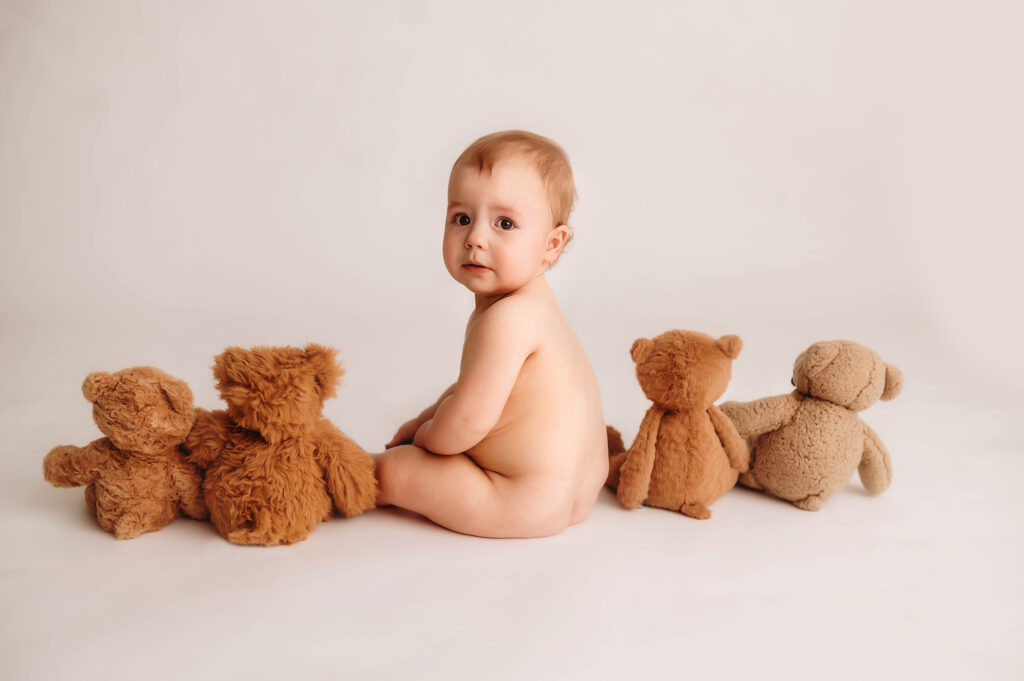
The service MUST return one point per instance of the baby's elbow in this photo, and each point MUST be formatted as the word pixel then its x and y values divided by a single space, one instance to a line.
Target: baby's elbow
pixel 453 437
pixel 449 443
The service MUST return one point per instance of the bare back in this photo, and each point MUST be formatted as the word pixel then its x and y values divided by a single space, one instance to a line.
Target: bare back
pixel 550 435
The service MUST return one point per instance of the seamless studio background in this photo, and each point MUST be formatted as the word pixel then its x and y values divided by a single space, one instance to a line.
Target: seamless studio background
pixel 179 177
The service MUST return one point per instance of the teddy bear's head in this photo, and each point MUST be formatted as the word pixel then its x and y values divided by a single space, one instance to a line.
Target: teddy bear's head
pixel 141 409
pixel 847 374
pixel 277 391
pixel 684 369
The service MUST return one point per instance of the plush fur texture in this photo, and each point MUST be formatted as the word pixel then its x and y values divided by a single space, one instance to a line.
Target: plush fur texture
pixel 806 445
pixel 686 454
pixel 274 468
pixel 137 480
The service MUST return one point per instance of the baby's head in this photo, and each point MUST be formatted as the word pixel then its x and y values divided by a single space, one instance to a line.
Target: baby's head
pixel 509 198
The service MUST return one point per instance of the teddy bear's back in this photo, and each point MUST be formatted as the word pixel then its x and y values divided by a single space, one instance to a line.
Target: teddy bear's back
pixel 266 493
pixel 690 464
pixel 134 490
pixel 815 453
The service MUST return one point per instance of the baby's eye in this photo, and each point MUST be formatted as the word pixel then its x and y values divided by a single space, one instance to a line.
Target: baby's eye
pixel 462 219
pixel 505 224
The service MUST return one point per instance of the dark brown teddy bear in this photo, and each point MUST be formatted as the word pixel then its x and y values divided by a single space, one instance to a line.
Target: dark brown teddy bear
pixel 137 479
pixel 272 464
pixel 806 445
pixel 687 453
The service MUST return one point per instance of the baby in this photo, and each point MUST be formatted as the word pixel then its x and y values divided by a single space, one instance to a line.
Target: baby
pixel 517 446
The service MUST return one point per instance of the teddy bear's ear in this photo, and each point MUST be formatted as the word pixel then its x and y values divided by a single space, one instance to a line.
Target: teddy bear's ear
pixel 229 366
pixel 817 357
pixel 95 384
pixel 893 382
pixel 326 368
pixel 641 350
pixel 730 345
pixel 178 395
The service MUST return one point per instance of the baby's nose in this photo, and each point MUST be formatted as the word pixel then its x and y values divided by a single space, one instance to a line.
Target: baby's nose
pixel 475 238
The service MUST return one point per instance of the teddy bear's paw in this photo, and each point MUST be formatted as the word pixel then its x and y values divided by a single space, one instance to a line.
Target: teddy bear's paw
pixel 261 538
pixel 811 503
pixel 698 511
pixel 748 480
pixel 128 526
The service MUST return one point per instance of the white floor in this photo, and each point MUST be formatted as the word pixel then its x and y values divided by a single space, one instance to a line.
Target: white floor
pixel 921 582
pixel 177 177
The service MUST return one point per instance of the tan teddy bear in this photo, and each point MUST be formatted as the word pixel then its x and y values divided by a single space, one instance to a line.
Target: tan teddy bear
pixel 687 453
pixel 273 465
pixel 137 479
pixel 806 445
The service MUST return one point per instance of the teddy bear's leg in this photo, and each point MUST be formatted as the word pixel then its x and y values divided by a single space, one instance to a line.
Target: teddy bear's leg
pixel 811 503
pixel 616 455
pixel 255 525
pixel 614 464
pixel 750 480
pixel 128 526
pixel 698 511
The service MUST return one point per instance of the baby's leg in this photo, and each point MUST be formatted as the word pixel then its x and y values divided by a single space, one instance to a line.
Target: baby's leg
pixel 455 493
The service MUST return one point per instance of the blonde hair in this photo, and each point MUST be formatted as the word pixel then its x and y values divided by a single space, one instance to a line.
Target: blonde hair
pixel 549 159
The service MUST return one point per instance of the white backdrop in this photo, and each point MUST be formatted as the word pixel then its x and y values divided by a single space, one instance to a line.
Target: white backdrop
pixel 176 177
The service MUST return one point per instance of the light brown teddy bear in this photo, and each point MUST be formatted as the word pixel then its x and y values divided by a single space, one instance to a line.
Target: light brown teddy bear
pixel 137 479
pixel 687 453
pixel 806 445
pixel 272 464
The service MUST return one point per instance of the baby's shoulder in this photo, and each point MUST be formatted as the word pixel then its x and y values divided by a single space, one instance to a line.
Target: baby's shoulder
pixel 512 321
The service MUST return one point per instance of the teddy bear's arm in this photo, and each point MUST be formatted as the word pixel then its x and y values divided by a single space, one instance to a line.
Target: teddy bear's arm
pixel 635 474
pixel 875 467
pixel 761 416
pixel 207 437
pixel 188 485
pixel 70 466
pixel 735 446
pixel 348 470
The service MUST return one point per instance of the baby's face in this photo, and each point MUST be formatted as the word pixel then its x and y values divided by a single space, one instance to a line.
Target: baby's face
pixel 499 233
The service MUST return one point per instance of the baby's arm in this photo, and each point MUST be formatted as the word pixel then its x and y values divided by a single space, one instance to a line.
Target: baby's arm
pixel 407 430
pixel 495 350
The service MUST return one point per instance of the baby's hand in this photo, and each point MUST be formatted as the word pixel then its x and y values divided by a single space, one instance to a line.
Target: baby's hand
pixel 405 433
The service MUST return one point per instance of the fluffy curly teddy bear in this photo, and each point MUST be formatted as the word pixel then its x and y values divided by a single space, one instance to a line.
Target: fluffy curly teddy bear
pixel 687 453
pixel 806 445
pixel 273 466
pixel 137 480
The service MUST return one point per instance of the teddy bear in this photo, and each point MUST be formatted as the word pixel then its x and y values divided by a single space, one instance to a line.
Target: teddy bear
pixel 274 468
pixel 136 478
pixel 806 445
pixel 686 453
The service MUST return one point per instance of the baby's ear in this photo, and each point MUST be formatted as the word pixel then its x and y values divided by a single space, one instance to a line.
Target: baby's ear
pixel 893 382
pixel 327 369
pixel 730 345
pixel 557 240
pixel 641 350
pixel 95 384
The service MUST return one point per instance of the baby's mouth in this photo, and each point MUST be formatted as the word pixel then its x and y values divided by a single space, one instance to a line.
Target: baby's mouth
pixel 474 266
